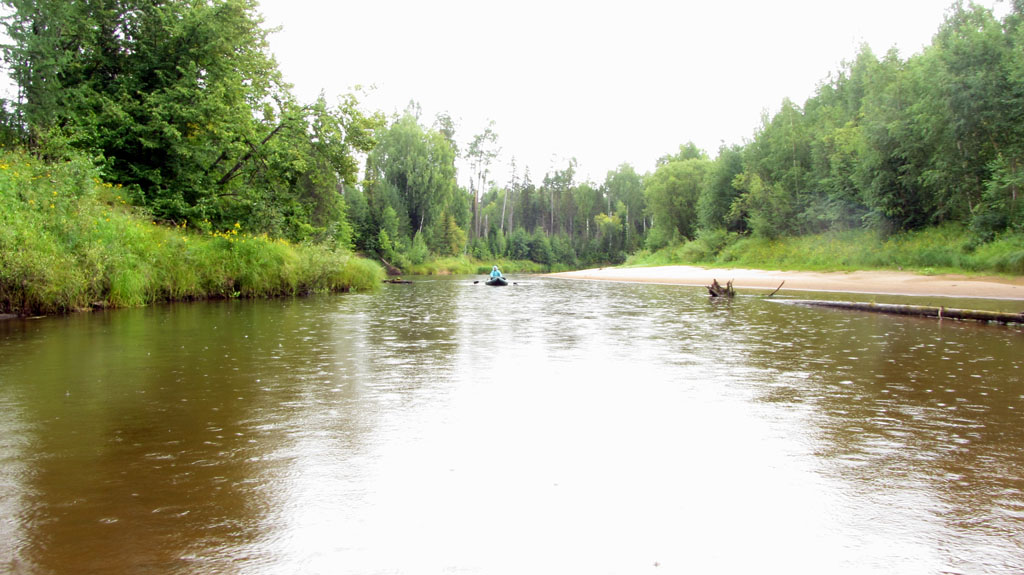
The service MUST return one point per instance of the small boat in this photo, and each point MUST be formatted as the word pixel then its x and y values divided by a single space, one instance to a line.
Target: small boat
pixel 497 282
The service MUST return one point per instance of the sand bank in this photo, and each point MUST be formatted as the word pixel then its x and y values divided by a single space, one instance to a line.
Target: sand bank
pixel 872 282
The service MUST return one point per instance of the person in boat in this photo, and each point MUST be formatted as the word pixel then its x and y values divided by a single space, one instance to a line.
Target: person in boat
pixel 495 273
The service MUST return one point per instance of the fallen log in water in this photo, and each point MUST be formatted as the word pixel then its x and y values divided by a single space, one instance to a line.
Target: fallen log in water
pixel 919 310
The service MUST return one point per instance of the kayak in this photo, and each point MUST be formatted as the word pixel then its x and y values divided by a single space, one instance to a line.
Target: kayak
pixel 497 282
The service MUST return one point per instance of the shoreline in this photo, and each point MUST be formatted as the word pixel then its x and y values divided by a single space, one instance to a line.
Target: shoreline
pixel 864 282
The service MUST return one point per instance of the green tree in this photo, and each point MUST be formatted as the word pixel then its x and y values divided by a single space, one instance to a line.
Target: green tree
pixel 687 151
pixel 626 186
pixel 768 209
pixel 412 170
pixel 496 242
pixel 540 248
pixel 890 167
pixel 984 105
pixel 186 108
pixel 454 237
pixel 562 251
pixel 419 251
pixel 483 150
pixel 519 244
pixel 672 192
pixel 555 200
pixel 836 141
pixel 780 157
pixel 610 232
pixel 298 189
pixel 588 201
pixel 718 193
pixel 161 89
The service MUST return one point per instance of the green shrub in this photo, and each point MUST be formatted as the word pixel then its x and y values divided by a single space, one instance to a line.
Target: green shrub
pixel 68 241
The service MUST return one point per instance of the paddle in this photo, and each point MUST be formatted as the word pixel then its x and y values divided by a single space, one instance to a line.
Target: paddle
pixel 502 277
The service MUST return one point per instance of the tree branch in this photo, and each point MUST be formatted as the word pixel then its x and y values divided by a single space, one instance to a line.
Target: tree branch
pixel 230 175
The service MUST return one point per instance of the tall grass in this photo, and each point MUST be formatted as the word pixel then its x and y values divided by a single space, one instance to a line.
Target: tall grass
pixel 1005 255
pixel 69 241
pixel 944 249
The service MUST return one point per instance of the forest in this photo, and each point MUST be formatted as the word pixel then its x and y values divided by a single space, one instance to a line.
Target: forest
pixel 180 106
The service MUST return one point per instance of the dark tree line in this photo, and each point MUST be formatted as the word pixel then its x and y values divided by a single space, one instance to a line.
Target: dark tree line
pixel 885 143
pixel 181 103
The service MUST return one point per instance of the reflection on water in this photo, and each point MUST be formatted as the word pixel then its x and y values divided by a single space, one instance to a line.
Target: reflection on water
pixel 548 427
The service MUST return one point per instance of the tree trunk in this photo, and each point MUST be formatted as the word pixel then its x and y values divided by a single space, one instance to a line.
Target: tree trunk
pixel 551 231
pixel 920 310
pixel 504 201
pixel 511 216
pixel 473 233
pixel 627 227
pixel 230 175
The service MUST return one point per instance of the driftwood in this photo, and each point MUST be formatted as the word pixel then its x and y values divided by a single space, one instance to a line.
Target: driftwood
pixel 777 289
pixel 716 289
pixel 920 310
pixel 390 269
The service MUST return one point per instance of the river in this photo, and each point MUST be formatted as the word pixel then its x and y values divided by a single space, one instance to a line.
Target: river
pixel 548 427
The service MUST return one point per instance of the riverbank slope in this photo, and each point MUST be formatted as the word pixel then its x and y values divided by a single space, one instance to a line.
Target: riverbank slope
pixel 869 282
pixel 69 241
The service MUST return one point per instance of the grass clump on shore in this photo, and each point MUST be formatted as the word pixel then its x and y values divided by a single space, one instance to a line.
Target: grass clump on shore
pixel 944 249
pixel 69 241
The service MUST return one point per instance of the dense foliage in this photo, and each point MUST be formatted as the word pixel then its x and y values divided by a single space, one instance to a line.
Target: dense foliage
pixel 885 144
pixel 180 106
pixel 69 241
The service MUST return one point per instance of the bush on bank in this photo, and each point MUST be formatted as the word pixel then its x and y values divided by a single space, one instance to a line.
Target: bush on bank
pixel 942 249
pixel 70 242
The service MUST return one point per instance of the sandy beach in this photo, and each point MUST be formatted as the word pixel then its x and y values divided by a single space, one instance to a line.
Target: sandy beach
pixel 869 282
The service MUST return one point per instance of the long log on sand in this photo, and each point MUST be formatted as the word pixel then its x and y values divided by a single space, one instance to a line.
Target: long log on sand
pixel 919 310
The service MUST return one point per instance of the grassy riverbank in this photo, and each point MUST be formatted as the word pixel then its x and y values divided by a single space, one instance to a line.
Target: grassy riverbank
pixel 949 249
pixel 69 242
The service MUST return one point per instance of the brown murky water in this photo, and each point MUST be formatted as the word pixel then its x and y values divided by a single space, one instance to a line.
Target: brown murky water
pixel 548 427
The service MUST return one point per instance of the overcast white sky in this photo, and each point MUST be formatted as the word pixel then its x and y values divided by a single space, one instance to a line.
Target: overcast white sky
pixel 606 83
